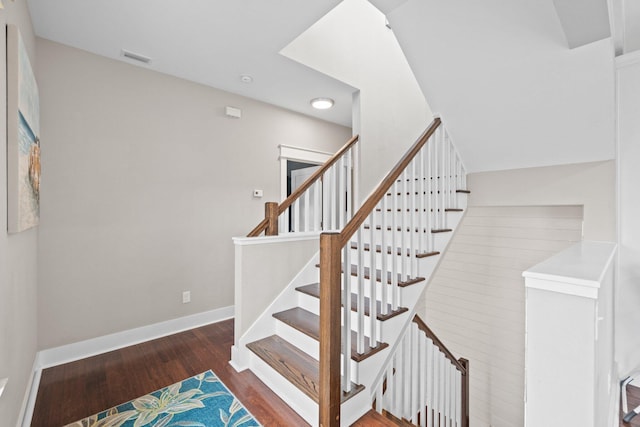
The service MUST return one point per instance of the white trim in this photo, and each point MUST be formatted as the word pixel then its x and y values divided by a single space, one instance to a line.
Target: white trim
pixel 627 59
pixel 30 394
pixel 282 238
pixel 306 155
pixel 303 154
pixel 91 347
pixel 578 270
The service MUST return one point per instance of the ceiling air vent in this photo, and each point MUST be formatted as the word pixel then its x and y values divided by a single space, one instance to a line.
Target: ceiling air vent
pixel 136 56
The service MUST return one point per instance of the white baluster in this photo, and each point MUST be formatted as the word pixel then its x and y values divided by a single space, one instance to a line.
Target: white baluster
pixel 422 379
pixel 458 398
pixel 346 318
pixel 406 378
pixel 333 202
pixel 447 391
pixel 317 206
pixel 383 253
pixel 430 216
pixel 373 296
pixel 360 280
pixel 341 192
pixel 325 201
pixel 349 195
pixel 413 223
pixel 394 246
pixel 306 220
pixel 399 375
pixel 296 216
pixel 421 205
pixel 404 236
pixel 430 381
pixel 415 373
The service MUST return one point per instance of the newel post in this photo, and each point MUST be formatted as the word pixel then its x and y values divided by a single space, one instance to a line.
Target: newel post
pixel 330 330
pixel 465 392
pixel 271 214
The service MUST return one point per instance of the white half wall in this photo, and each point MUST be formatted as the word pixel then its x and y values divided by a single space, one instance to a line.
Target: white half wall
pixel 264 266
pixel 145 182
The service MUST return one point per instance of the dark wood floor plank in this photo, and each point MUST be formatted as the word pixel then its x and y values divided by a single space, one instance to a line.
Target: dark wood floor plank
pixel 76 390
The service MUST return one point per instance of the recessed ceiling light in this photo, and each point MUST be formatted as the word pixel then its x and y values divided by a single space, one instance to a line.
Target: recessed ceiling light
pixel 322 103
pixel 246 78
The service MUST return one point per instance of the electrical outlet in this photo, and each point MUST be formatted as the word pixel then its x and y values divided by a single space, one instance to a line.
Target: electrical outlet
pixel 186 297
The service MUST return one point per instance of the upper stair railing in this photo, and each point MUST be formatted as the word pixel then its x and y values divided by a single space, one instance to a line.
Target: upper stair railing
pixel 323 202
pixel 422 382
pixel 410 203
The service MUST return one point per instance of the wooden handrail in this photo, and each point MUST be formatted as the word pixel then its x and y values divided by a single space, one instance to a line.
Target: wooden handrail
pixel 264 224
pixel 359 217
pixel 314 177
pixel 443 348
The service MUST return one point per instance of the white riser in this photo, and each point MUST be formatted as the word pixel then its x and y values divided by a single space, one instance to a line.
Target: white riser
pixel 296 399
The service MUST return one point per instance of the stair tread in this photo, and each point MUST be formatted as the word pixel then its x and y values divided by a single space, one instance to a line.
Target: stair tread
pixel 420 210
pixel 402 283
pixel 367 248
pixel 313 290
pixel 417 230
pixel 295 365
pixel 309 324
pixel 374 419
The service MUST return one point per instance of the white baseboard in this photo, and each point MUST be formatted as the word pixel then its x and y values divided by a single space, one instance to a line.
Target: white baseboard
pixel 91 347
pixel 94 346
pixel 30 394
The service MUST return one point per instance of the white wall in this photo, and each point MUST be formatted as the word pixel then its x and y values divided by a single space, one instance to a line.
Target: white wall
pixel 512 93
pixel 18 258
pixel 628 286
pixel 352 44
pixel 591 185
pixel 475 302
pixel 145 183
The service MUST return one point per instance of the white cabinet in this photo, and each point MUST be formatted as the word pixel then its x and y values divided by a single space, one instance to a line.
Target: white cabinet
pixel 569 339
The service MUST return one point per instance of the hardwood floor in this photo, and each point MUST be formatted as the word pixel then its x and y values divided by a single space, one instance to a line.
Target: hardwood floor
pixel 76 390
pixel 633 400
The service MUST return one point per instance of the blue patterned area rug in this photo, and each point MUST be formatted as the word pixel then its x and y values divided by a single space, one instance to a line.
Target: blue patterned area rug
pixel 200 401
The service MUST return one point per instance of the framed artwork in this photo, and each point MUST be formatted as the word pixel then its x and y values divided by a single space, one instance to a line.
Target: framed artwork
pixel 23 137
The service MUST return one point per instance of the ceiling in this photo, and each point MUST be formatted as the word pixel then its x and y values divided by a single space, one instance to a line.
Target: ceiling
pixel 510 90
pixel 206 41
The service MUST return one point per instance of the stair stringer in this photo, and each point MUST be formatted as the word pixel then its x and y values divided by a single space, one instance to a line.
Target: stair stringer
pixel 365 372
pixel 265 324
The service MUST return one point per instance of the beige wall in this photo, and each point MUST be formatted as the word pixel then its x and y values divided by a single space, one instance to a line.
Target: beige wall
pixel 146 182
pixel 589 184
pixel 18 252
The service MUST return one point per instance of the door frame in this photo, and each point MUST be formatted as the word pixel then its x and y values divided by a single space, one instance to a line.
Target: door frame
pixel 298 154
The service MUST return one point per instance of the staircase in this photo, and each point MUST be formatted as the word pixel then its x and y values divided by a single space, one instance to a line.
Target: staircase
pixel 359 292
